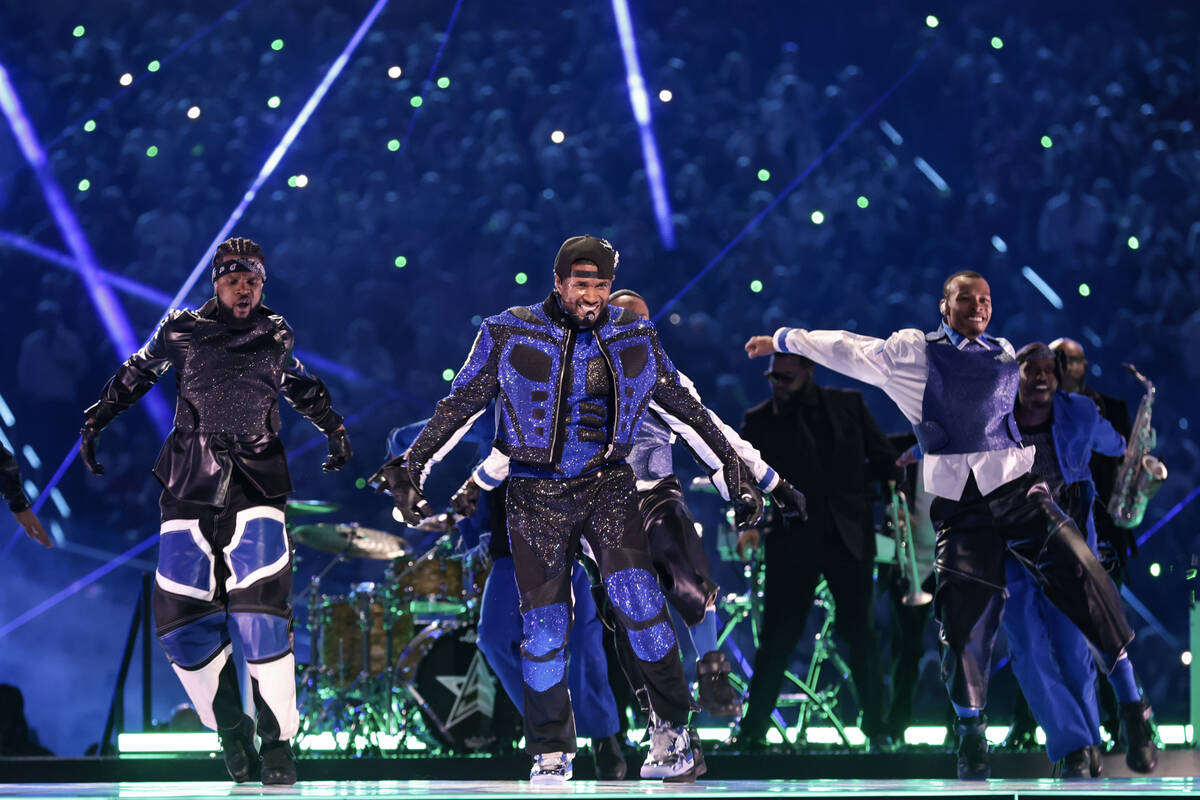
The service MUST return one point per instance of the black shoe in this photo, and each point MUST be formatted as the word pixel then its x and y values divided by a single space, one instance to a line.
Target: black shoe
pixel 237 745
pixel 697 751
pixel 882 743
pixel 278 767
pixel 717 695
pixel 610 758
pixel 1095 764
pixel 1077 764
pixel 972 748
pixel 1140 753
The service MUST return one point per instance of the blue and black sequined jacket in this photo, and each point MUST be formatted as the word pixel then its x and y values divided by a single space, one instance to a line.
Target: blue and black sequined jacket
pixel 525 358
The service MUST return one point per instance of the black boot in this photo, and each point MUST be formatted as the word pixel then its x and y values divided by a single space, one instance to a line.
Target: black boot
pixel 697 751
pixel 1140 753
pixel 717 696
pixel 610 758
pixel 278 767
pixel 972 748
pixel 237 745
pixel 1077 764
pixel 1095 764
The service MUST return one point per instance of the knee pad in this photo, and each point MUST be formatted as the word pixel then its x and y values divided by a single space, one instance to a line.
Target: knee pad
pixel 636 595
pixel 185 561
pixel 265 637
pixel 196 643
pixel 543 650
pixel 259 547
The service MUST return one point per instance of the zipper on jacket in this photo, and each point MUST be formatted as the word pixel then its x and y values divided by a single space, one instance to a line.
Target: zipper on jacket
pixel 567 353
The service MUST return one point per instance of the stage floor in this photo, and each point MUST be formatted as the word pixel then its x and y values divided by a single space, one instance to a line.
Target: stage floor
pixel 500 790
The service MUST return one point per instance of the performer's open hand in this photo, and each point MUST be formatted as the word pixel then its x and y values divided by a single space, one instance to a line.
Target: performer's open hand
pixel 760 346
pixel 747 541
pixel 339 451
pixel 395 478
pixel 33 526
pixel 87 447
pixel 909 456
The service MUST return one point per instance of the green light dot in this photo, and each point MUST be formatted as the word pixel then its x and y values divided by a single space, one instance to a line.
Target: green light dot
pixel 931 21
pixel 862 201
pixel 400 262
pixel 197 150
pixel 393 145
pixel 360 483
pixel 443 82
pixel 1155 569
pixel 292 181
pixel 756 286
pixel 273 101
pixel 764 175
pixel 153 65
pixel 1084 290
pixel 817 217
pixel 90 125
pixel 1047 142
pixel 447 374
pixel 79 31
pixel 521 278
pixel 1133 243
pixel 277 44
pixel 416 101
pixel 84 185
pixel 997 43
pixel 152 151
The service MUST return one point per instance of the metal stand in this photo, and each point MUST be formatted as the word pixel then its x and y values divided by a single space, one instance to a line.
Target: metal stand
pixel 140 624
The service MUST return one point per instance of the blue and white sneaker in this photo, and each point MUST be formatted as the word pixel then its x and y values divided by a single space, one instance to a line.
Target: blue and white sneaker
pixel 670 757
pixel 551 769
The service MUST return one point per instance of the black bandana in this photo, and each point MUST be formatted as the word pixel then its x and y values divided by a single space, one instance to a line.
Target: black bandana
pixel 239 265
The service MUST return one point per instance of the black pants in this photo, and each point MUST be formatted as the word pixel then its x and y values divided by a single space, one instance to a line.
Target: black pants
pixel 546 519
pixel 677 550
pixel 973 534
pixel 796 558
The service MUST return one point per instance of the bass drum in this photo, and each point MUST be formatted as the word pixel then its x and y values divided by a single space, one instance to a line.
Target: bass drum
pixel 461 701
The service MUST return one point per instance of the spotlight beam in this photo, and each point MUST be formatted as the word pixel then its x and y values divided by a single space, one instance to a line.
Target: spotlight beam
pixel 281 148
pixel 640 101
pixel 437 57
pixel 1167 517
pixel 120 332
pixel 752 224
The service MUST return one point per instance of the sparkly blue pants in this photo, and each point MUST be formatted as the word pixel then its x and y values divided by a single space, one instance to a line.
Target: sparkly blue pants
pixel 500 634
pixel 547 517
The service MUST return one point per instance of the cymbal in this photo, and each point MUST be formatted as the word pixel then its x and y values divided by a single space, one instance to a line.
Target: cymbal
pixel 311 507
pixel 351 540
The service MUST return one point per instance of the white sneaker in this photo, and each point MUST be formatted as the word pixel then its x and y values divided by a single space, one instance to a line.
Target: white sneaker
pixel 670 757
pixel 551 769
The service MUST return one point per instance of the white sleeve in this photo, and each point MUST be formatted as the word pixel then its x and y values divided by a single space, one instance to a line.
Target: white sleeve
pixel 492 471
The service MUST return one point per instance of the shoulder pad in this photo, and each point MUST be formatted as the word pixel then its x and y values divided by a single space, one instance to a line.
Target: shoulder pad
pixel 623 316
pixel 525 314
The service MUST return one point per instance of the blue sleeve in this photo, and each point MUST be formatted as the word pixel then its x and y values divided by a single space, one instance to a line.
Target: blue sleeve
pixel 1105 438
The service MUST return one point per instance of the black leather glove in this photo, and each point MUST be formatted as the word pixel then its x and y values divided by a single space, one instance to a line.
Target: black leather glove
pixel 746 498
pixel 790 500
pixel 465 501
pixel 395 478
pixel 87 449
pixel 339 451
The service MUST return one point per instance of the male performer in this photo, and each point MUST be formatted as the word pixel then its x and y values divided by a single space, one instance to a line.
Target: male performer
pixel 573 380
pixel 957 386
pixel 1050 657
pixel 826 441
pixel 224 560
pixel 676 550
pixel 18 503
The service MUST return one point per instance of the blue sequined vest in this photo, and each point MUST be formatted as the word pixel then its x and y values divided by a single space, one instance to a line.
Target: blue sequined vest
pixel 969 399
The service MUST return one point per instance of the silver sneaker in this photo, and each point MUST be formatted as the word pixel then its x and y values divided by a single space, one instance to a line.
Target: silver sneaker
pixel 670 757
pixel 551 769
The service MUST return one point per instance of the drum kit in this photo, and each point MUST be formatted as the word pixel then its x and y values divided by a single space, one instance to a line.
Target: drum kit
pixel 393 663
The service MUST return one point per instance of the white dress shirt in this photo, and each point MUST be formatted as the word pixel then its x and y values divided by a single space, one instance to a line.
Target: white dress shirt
pixel 898 365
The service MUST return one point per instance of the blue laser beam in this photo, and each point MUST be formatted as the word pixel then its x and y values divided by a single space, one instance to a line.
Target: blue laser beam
pixel 437 57
pixel 1167 517
pixel 285 142
pixel 120 332
pixel 1151 620
pixel 103 104
pixel 816 162
pixel 640 100
pixel 1040 284
pixel 77 586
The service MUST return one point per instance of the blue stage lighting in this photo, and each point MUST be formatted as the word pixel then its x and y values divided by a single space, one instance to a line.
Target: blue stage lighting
pixel 1042 286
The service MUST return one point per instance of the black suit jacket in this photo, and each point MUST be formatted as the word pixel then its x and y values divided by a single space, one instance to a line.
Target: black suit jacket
pixel 860 452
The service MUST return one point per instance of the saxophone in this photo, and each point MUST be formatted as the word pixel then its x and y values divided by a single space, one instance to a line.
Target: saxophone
pixel 906 556
pixel 1141 474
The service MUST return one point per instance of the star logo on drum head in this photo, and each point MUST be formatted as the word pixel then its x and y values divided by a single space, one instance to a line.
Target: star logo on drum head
pixel 473 693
